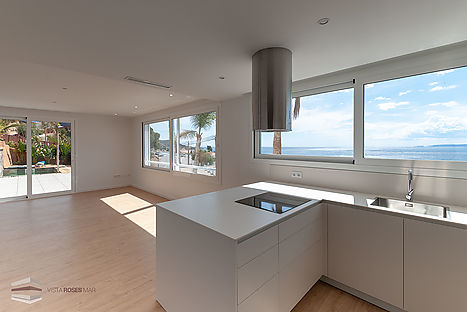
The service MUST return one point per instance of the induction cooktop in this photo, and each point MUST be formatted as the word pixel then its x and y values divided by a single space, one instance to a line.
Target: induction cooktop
pixel 273 202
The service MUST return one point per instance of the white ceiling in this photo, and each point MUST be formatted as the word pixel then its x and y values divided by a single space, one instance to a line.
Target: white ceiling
pixel 87 46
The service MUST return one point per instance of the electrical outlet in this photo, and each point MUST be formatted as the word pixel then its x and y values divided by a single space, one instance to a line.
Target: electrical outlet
pixel 296 174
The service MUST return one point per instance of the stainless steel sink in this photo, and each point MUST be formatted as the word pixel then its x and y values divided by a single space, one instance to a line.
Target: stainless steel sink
pixel 425 209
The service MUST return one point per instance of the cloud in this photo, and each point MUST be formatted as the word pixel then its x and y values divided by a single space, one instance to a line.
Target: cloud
pixel 344 90
pixel 382 98
pixel 445 104
pixel 444 72
pixel 434 83
pixel 391 105
pixel 432 127
pixel 439 88
pixel 370 85
pixel 404 92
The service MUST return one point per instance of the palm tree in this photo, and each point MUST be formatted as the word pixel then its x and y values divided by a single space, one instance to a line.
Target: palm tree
pixel 201 122
pixel 277 140
pixel 5 125
pixel 188 134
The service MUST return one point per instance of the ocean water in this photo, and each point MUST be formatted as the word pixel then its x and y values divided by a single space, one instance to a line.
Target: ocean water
pixel 433 152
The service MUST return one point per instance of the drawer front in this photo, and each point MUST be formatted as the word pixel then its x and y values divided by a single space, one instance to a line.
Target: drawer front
pixel 296 278
pixel 264 299
pixel 298 222
pixel 255 246
pixel 296 244
pixel 257 272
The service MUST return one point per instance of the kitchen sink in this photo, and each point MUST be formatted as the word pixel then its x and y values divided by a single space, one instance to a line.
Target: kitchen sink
pixel 425 209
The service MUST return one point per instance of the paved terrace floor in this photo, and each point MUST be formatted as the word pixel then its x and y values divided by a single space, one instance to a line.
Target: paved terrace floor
pixel 41 183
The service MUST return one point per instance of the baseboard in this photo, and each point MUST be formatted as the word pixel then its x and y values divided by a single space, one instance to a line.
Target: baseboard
pixel 147 190
pixel 377 302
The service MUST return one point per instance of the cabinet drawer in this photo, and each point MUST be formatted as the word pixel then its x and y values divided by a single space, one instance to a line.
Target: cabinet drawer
pixel 297 243
pixel 298 222
pixel 255 273
pixel 264 299
pixel 296 278
pixel 255 246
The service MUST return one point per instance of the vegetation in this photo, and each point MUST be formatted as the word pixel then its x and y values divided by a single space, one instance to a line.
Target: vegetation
pixel 277 140
pixel 154 139
pixel 42 149
pixel 5 125
pixel 201 122
pixel 205 159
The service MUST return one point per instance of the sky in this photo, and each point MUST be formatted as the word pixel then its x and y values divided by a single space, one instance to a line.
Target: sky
pixel 325 120
pixel 420 110
pixel 185 124
pixel 163 129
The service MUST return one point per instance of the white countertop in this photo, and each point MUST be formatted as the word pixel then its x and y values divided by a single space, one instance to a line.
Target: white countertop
pixel 219 211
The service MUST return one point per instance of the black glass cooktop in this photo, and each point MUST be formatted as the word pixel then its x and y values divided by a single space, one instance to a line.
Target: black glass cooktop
pixel 273 202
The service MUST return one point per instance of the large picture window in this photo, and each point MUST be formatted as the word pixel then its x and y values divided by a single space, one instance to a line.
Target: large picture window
pixel 422 117
pixel 156 147
pixel 194 144
pixel 322 126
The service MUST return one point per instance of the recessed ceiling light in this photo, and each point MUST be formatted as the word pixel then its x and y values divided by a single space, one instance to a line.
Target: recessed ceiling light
pixel 171 94
pixel 136 107
pixel 221 77
pixel 115 114
pixel 323 21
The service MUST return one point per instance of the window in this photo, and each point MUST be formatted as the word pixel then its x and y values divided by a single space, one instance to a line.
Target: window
pixel 322 126
pixel 422 117
pixel 156 147
pixel 194 144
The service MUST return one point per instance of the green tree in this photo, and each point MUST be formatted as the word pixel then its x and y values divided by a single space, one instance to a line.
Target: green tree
pixel 201 122
pixel 5 125
pixel 209 148
pixel 154 139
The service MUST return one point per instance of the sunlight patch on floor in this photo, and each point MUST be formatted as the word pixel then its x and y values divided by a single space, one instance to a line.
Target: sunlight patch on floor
pixel 135 209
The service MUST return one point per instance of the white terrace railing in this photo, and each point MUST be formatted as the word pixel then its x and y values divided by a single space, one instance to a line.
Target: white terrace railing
pixel 164 164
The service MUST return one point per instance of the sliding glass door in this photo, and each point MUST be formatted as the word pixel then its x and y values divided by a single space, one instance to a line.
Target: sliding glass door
pixel 13 157
pixel 51 156
pixel 35 157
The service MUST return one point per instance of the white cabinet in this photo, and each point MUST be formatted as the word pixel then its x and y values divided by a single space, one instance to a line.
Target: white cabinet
pixel 256 273
pixel 435 259
pixel 365 252
pixel 265 299
pixel 300 256
pixel 278 266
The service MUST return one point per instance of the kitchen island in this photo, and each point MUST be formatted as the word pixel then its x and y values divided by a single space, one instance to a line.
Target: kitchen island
pixel 214 254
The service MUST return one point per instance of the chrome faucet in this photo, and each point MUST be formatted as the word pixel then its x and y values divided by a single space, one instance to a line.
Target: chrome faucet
pixel 410 189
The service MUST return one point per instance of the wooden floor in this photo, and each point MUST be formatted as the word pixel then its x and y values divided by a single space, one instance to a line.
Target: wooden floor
pixel 101 240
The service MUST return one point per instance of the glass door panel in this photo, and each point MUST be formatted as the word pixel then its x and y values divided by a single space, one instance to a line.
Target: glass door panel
pixel 51 156
pixel 13 158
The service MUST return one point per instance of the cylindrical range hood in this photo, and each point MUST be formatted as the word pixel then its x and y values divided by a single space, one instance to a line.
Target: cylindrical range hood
pixel 272 89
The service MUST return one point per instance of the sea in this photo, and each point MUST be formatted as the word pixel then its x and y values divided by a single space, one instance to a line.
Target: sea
pixel 451 152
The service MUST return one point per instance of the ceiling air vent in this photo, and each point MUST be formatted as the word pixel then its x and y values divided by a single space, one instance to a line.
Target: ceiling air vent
pixel 147 82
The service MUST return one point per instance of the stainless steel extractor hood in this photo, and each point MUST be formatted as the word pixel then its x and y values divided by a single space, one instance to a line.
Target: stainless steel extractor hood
pixel 272 89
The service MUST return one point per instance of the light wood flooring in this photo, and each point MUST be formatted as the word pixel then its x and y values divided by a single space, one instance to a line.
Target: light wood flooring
pixel 103 240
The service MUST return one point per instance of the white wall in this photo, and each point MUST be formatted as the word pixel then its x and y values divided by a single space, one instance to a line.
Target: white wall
pixel 102 146
pixel 239 168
